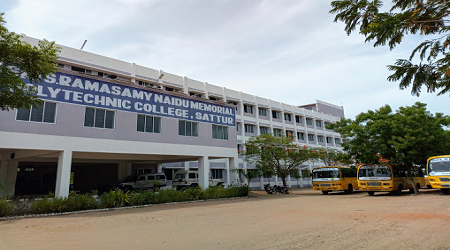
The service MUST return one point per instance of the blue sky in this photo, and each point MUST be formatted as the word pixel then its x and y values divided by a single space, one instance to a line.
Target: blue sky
pixel 289 51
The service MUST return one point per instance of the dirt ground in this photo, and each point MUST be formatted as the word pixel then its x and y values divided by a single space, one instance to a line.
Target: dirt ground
pixel 305 219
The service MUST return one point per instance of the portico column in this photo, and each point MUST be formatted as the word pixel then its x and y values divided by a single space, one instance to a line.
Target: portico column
pixel 124 169
pixel 203 171
pixel 159 167
pixel 63 174
pixel 232 174
pixel 8 176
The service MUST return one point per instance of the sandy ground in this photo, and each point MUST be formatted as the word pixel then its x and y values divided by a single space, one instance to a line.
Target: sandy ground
pixel 305 219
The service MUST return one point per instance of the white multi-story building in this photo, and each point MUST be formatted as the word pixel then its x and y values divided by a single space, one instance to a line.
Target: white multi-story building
pixel 103 119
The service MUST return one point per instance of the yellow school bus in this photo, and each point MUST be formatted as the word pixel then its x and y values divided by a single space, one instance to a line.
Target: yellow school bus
pixel 388 178
pixel 438 171
pixel 334 178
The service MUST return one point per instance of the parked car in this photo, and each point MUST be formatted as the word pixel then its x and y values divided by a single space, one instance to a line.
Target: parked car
pixel 143 182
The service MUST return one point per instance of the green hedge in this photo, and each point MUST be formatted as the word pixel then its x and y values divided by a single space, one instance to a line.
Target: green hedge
pixel 115 198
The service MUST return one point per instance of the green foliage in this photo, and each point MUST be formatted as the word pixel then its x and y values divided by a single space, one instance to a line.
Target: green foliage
pixel 218 192
pixel 115 198
pixel 408 136
pixel 275 155
pixel 194 192
pixel 19 58
pixel 332 157
pixel 416 17
pixel 249 174
pixel 142 198
pixel 5 207
pixel 75 202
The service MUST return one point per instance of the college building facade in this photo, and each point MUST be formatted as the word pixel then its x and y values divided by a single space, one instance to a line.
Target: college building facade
pixel 103 119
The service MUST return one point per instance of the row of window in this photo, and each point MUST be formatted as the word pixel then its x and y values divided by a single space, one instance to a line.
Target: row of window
pixel 249 128
pixel 287 117
pixel 247 108
pixel 102 118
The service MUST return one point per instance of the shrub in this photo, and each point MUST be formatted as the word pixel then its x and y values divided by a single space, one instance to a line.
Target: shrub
pixel 5 207
pixel 115 198
pixel 194 192
pixel 172 195
pixel 142 198
pixel 42 206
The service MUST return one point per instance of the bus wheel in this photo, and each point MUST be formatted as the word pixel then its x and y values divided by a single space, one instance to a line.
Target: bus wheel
pixel 445 190
pixel 324 192
pixel 349 190
pixel 371 193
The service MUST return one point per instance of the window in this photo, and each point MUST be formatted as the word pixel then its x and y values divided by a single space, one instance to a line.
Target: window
pixel 289 133
pixel 276 114
pixel 60 65
pixel 212 98
pixel 326 124
pixel 263 130
pixel 82 70
pixel 109 76
pixel 193 94
pixel 276 132
pixel 42 113
pixel 237 126
pixel 287 117
pixel 188 128
pixel 299 119
pixel 310 137
pixel 320 138
pixel 301 136
pixel 249 129
pixel 248 109
pixel 232 103
pixel 150 124
pixel 219 132
pixel 172 89
pixel 319 124
pixel 262 111
pixel 217 173
pixel 309 121
pixel 99 118
pixel 329 140
pixel 337 141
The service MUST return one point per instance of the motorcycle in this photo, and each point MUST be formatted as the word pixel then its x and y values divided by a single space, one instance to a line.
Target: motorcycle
pixel 281 189
pixel 269 189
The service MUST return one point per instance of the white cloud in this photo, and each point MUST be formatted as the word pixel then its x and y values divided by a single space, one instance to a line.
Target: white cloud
pixel 288 51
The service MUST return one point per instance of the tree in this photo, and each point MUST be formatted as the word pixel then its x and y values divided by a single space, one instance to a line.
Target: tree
pixel 275 155
pixel 408 136
pixel 425 17
pixel 332 157
pixel 18 58
pixel 249 174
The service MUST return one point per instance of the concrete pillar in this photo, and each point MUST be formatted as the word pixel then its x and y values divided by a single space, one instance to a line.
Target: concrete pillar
pixel 63 174
pixel 8 176
pixel 233 176
pixel 261 183
pixel 186 165
pixel 3 172
pixel 288 180
pixel 159 168
pixel 203 171
pixel 123 170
